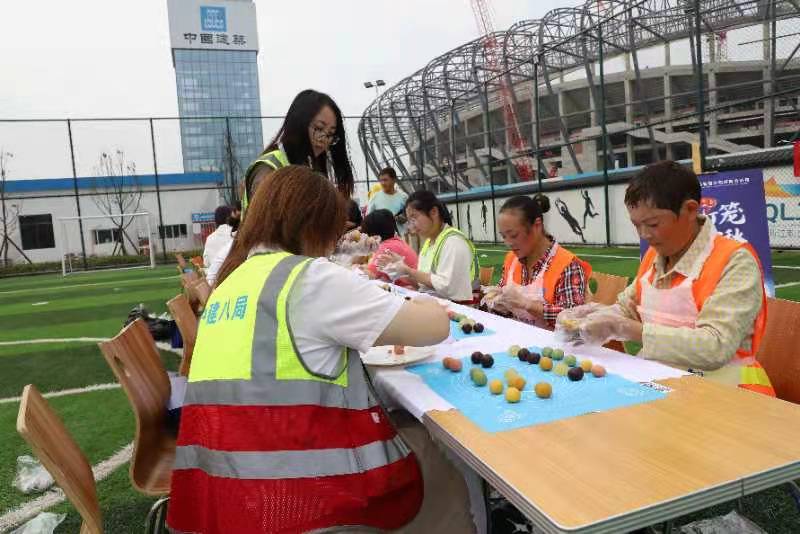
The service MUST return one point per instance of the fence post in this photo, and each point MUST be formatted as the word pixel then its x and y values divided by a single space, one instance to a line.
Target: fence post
pixel 604 131
pixel 701 101
pixel 158 195
pixel 77 196
pixel 536 114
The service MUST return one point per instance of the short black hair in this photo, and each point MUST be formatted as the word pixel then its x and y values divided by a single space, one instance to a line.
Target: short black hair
pixel 380 223
pixel 390 172
pixel 664 184
pixel 221 215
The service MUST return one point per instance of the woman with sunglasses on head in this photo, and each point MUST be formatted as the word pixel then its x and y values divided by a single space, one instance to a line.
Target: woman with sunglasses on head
pixel 312 135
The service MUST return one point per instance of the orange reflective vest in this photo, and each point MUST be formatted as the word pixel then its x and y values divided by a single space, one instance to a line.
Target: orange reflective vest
pixel 512 271
pixel 752 376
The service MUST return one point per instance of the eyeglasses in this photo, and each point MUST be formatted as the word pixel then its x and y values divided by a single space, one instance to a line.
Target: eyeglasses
pixel 321 135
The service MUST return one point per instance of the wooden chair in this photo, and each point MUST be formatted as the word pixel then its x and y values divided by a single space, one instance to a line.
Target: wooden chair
pixel 53 445
pixel 608 287
pixel 134 359
pixel 186 320
pixel 779 351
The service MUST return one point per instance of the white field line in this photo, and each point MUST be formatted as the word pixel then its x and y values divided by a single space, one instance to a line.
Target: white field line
pixel 787 284
pixel 65 392
pixel 792 267
pixel 32 508
pixel 118 283
pixel 55 340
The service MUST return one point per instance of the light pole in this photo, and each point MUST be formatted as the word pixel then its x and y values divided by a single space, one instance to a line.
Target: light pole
pixel 377 84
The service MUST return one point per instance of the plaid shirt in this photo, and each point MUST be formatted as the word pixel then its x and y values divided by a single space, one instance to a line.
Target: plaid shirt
pixel 570 288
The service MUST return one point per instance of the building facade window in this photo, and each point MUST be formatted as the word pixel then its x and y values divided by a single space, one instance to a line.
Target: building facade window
pixel 109 235
pixel 36 231
pixel 172 231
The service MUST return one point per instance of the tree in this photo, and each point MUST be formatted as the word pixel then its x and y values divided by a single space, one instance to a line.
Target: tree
pixel 9 215
pixel 117 191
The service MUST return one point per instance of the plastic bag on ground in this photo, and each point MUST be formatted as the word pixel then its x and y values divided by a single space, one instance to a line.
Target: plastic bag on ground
pixel 44 523
pixel 31 475
pixel 730 523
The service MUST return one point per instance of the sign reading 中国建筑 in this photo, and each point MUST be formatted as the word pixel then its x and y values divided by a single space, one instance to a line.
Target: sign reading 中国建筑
pixel 212 24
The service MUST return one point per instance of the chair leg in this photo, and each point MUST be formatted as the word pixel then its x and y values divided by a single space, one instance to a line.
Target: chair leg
pixel 156 521
pixel 794 490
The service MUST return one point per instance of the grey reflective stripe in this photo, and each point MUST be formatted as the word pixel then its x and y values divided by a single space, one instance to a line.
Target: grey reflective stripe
pixel 290 464
pixel 272 161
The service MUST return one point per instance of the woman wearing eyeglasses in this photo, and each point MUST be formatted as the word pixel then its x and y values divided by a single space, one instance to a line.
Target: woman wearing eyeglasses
pixel 312 134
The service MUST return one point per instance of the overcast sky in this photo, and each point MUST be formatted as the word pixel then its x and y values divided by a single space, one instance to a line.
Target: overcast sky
pixel 101 58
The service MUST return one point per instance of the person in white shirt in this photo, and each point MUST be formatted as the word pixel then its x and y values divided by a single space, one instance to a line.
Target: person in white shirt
pixel 390 198
pixel 447 260
pixel 220 238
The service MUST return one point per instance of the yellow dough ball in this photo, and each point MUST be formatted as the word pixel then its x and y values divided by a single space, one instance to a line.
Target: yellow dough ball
pixel 496 387
pixel 543 390
pixel 517 382
pixel 513 395
pixel 586 365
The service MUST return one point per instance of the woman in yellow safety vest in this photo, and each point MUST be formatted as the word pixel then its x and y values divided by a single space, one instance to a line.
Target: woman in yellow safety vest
pixel 447 259
pixel 281 430
pixel 312 134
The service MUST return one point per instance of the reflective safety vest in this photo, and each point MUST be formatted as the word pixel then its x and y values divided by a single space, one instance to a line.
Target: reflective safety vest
pixel 429 261
pixel 750 375
pixel 274 159
pixel 512 271
pixel 268 445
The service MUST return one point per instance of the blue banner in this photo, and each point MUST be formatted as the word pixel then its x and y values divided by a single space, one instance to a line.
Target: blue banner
pixel 203 217
pixel 734 202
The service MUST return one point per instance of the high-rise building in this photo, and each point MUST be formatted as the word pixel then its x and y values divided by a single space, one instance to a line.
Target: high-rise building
pixel 214 51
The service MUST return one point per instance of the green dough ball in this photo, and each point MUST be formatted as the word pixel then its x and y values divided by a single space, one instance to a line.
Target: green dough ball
pixel 561 369
pixel 513 350
pixel 570 360
pixel 478 377
pixel 558 354
pixel 548 352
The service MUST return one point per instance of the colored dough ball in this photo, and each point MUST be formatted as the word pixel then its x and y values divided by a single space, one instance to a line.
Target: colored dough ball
pixel 487 361
pixel 513 350
pixel 561 369
pixel 399 349
pixel 543 390
pixel 478 328
pixel 446 362
pixel 534 358
pixel 466 328
pixel 570 360
pixel 509 374
pixel 476 357
pixel 547 351
pixel 517 382
pixel 586 365
pixel 545 363
pixel 523 354
pixel 598 370
pixel 558 354
pixel 496 387
pixel 456 365
pixel 451 315
pixel 575 374
pixel 513 395
pixel 478 377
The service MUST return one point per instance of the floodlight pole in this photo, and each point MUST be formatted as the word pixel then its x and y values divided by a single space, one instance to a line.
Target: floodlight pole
pixel 77 197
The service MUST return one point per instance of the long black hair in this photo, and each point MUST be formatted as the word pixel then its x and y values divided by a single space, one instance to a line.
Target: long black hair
pixel 425 201
pixel 293 135
pixel 530 208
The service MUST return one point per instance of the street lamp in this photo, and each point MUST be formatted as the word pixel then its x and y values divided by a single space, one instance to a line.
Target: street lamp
pixel 377 84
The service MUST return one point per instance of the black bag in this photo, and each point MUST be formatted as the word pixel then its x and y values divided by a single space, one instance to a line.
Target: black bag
pixel 160 329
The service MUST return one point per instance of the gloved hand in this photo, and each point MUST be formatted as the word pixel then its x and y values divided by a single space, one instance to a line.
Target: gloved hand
pixel 490 296
pixel 606 324
pixel 517 299
pixel 569 321
pixel 392 264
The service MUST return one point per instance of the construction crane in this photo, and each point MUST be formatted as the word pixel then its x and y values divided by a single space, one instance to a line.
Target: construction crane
pixel 483 17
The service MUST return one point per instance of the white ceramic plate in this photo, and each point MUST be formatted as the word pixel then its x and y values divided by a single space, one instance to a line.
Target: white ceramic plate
pixel 384 355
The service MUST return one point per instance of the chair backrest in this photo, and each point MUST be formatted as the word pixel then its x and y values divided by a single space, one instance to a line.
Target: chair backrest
pixel 608 287
pixel 779 351
pixel 201 291
pixel 135 361
pixel 53 445
pixel 186 320
pixel 181 260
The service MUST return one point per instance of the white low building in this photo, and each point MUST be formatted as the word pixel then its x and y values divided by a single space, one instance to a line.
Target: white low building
pixel 38 213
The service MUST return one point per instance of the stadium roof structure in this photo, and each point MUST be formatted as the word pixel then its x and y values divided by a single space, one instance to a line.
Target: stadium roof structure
pixel 421 107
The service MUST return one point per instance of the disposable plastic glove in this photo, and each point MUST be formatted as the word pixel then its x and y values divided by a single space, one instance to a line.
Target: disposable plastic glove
pixel 606 324
pixel 517 299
